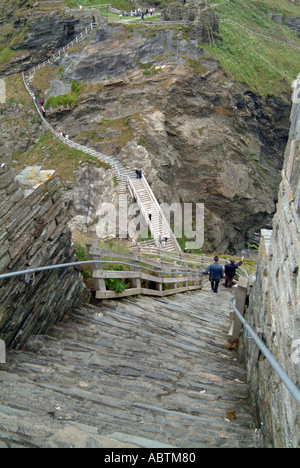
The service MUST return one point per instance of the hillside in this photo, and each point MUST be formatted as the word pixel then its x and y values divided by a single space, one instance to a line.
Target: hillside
pixel 207 122
pixel 264 66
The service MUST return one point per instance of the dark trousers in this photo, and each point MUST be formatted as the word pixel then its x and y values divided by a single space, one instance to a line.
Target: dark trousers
pixel 228 281
pixel 214 284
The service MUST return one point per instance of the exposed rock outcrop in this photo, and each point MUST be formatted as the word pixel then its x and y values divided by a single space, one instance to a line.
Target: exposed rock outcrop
pixel 197 137
pixel 274 307
pixel 159 101
pixel 34 233
pixel 292 22
pixel 93 185
pixel 205 25
pixel 44 34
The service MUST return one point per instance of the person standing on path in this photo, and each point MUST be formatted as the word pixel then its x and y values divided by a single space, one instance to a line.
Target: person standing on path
pixel 230 272
pixel 149 215
pixel 216 272
pixel 159 237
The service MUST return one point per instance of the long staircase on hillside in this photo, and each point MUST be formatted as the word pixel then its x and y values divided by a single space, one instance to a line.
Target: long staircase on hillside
pixel 139 188
pixel 159 224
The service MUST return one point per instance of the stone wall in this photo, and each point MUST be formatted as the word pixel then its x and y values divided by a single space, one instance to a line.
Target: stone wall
pixel 275 306
pixel 34 233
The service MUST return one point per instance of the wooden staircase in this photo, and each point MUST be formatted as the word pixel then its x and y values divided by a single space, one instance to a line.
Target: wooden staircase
pixel 158 221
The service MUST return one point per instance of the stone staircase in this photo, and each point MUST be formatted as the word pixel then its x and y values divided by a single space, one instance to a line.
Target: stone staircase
pixel 138 372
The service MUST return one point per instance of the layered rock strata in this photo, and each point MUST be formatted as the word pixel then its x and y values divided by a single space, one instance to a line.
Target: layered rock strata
pixel 198 139
pixel 274 306
pixel 34 233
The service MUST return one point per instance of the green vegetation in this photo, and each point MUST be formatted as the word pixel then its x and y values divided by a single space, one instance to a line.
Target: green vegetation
pixel 5 55
pixel 66 99
pixel 52 153
pixel 119 245
pixel 122 132
pixel 116 284
pixel 248 265
pixel 119 4
pixel 264 66
pixel 149 68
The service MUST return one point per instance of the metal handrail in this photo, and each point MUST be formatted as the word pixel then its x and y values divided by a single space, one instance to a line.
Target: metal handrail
pixel 293 389
pixel 64 265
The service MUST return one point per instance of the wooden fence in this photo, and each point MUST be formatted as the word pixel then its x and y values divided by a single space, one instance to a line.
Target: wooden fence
pixel 148 276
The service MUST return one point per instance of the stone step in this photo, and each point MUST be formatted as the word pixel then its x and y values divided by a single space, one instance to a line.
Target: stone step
pixel 154 370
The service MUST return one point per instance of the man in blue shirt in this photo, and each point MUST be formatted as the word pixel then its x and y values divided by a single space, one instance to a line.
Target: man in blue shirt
pixel 216 272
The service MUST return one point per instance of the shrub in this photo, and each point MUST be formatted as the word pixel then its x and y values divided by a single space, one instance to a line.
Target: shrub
pixel 117 284
pixel 66 99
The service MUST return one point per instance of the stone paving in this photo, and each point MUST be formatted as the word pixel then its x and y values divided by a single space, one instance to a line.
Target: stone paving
pixel 138 372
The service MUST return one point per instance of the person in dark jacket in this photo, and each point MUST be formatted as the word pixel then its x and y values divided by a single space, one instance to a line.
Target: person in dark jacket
pixel 216 272
pixel 230 272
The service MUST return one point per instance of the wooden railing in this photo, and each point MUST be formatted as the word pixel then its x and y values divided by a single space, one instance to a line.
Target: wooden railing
pixel 154 277
pixel 182 257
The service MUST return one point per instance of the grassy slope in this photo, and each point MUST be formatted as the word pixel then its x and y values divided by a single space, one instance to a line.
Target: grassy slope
pixel 264 66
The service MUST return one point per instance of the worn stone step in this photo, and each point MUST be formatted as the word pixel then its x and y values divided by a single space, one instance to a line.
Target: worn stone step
pixel 149 368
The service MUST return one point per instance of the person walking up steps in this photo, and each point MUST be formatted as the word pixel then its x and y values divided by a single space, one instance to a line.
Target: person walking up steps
pixel 216 272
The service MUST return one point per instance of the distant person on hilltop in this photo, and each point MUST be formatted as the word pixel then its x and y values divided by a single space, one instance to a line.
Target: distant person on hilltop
pixel 216 272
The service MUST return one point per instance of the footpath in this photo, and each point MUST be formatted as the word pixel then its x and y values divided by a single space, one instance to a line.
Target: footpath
pixel 138 372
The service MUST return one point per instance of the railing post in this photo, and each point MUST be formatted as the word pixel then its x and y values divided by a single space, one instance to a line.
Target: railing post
pixel 194 274
pixel 158 285
pixel 241 294
pixel 99 283
pixel 180 258
pixel 186 273
pixel 174 275
pixel 203 262
pixel 136 282
pixel 2 352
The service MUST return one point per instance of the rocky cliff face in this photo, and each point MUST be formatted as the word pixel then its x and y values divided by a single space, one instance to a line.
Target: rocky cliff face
pixel 41 33
pixel 274 307
pixel 156 100
pixel 205 27
pixel 198 138
pixel 33 234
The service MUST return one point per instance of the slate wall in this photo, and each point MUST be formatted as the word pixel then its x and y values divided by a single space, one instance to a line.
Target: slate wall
pixel 34 233
pixel 275 307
